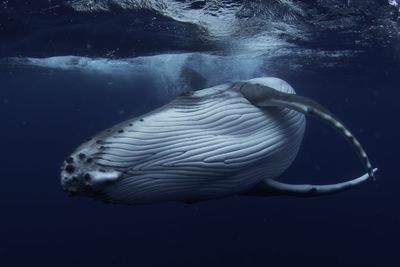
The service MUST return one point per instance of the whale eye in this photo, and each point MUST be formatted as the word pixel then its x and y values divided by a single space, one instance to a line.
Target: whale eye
pixel 87 177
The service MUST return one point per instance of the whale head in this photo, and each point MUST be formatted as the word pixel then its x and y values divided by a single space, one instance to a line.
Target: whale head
pixel 81 176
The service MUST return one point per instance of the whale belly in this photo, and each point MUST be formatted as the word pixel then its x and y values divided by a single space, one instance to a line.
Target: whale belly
pixel 210 144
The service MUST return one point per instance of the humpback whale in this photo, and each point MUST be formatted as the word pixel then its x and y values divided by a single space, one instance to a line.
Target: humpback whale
pixel 229 139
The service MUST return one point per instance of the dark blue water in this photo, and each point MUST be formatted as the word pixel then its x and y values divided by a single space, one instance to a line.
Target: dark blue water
pixel 46 113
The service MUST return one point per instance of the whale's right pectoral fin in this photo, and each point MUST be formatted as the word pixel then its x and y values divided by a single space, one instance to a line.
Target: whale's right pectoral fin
pixel 270 187
pixel 192 80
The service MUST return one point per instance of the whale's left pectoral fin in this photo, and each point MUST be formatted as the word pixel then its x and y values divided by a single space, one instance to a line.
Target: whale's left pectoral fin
pixel 270 187
pixel 264 96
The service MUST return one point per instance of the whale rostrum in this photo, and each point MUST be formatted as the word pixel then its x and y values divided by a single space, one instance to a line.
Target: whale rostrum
pixel 225 140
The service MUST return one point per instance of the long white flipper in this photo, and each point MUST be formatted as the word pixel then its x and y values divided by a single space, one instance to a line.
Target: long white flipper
pixel 264 96
pixel 271 187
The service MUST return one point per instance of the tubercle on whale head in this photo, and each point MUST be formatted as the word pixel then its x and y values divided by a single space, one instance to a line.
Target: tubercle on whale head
pixel 73 174
pixel 80 176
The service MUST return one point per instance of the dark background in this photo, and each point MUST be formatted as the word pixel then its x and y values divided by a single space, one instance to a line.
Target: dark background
pixel 45 114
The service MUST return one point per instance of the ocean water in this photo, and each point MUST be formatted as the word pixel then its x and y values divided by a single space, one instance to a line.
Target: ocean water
pixel 69 69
